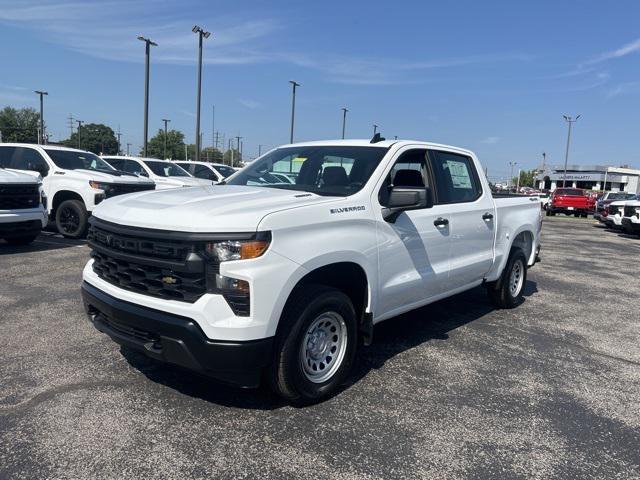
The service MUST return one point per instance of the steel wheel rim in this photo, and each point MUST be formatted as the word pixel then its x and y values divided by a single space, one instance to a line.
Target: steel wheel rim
pixel 69 220
pixel 323 347
pixel 516 279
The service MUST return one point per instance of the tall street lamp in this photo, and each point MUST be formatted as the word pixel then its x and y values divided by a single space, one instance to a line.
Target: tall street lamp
pixel 147 50
pixel 513 164
pixel 570 121
pixel 41 135
pixel 165 120
pixel 293 106
pixel 344 120
pixel 201 33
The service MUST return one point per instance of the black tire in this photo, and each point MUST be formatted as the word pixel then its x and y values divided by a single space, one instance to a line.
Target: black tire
pixel 287 375
pixel 72 219
pixel 549 213
pixel 500 292
pixel 25 240
pixel 576 215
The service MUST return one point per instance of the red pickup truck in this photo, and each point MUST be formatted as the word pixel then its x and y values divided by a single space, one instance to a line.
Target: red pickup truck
pixel 571 201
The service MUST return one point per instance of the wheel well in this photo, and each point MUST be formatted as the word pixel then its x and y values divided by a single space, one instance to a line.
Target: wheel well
pixel 61 196
pixel 348 277
pixel 524 240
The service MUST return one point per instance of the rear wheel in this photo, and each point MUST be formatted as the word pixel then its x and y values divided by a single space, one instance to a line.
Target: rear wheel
pixel 72 219
pixel 316 345
pixel 506 292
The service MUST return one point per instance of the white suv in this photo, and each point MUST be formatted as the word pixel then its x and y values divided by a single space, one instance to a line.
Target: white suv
pixel 22 207
pixel 209 171
pixel 73 180
pixel 631 218
pixel 164 173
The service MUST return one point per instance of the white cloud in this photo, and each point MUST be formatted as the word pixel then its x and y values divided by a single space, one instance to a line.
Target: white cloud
pixel 246 102
pixel 623 88
pixel 623 51
pixel 490 140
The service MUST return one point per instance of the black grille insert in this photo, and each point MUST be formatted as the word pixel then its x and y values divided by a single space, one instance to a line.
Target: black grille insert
pixel 120 189
pixel 18 196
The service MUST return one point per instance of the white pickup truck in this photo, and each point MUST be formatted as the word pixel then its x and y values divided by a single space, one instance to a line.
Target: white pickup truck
pixel 73 180
pixel 262 276
pixel 22 207
pixel 631 216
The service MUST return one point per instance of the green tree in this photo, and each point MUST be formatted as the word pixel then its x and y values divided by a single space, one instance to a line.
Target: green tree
pixel 19 125
pixel 96 138
pixel 175 145
pixel 229 154
pixel 211 154
pixel 527 178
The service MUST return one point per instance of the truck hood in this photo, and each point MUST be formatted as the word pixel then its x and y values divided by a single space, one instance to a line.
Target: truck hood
pixel 102 176
pixel 12 176
pixel 219 208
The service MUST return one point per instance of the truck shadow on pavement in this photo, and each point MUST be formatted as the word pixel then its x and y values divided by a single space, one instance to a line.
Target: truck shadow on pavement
pixel 391 337
pixel 45 241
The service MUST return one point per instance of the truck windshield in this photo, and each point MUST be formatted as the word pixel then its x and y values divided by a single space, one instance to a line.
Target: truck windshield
pixel 324 170
pixel 620 196
pixel 166 169
pixel 71 160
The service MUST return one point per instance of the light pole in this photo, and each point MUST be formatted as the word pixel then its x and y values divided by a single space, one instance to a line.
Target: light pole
pixel 147 50
pixel 165 120
pixel 128 146
pixel 570 121
pixel 201 33
pixel 513 164
pixel 375 129
pixel 293 106
pixel 238 138
pixel 41 133
pixel 344 120
pixel 79 122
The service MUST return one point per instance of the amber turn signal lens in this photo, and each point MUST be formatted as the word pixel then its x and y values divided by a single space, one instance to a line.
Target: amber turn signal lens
pixel 253 249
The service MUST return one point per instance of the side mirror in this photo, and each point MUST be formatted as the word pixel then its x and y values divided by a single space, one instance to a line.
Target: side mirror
pixel 406 198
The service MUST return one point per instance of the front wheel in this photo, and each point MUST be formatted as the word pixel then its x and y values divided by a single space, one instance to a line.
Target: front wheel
pixel 506 292
pixel 72 219
pixel 315 346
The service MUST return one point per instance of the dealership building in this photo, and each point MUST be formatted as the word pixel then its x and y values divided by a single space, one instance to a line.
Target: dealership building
pixel 590 177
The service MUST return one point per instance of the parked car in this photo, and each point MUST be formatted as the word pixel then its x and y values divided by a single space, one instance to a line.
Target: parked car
pixel 22 207
pixel 263 276
pixel 609 197
pixel 73 180
pixel 613 213
pixel 631 216
pixel 164 173
pixel 571 201
pixel 209 171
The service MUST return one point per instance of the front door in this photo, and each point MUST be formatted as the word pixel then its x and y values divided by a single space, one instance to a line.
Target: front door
pixel 413 252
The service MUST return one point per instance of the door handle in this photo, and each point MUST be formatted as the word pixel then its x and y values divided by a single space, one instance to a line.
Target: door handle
pixel 441 222
pixel 487 216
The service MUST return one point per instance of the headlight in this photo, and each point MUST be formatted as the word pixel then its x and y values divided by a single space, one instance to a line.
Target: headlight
pixel 239 249
pixel 99 185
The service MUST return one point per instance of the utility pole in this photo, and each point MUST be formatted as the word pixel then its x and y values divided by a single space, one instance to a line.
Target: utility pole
pixel 201 34
pixel 260 150
pixel 513 164
pixel 213 126
pixel 238 138
pixel 231 149
pixel 119 135
pixel 79 122
pixel 294 84
pixel 41 133
pixel 71 119
pixel 344 120
pixel 570 121
pixel 165 120
pixel 128 146
pixel 147 50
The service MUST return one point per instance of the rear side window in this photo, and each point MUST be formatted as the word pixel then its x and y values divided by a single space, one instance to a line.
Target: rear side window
pixel 456 179
pixel 201 171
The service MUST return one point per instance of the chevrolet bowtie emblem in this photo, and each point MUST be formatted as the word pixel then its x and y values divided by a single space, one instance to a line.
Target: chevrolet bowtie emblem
pixel 169 280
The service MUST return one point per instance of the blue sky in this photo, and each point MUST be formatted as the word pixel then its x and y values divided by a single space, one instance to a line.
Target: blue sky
pixel 493 76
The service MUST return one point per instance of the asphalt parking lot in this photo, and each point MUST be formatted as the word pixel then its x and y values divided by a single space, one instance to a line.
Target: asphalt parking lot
pixel 453 390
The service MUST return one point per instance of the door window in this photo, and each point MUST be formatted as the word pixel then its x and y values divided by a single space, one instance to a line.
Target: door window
pixel 409 170
pixel 201 171
pixel 29 159
pixel 455 177
pixel 134 167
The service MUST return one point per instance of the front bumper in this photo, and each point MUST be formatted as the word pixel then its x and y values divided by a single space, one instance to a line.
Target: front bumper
pixel 20 229
pixel 630 226
pixel 176 339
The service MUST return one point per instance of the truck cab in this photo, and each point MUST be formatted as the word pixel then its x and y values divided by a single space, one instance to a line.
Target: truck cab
pixel 264 278
pixel 206 170
pixel 74 181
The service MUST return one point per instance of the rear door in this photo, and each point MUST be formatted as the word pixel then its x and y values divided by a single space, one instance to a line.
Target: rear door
pixel 470 210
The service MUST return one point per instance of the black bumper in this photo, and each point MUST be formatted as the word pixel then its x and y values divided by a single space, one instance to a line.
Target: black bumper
pixel 629 226
pixel 177 340
pixel 24 228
